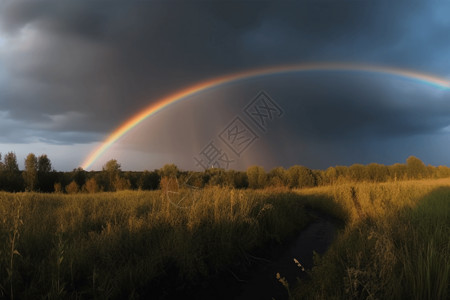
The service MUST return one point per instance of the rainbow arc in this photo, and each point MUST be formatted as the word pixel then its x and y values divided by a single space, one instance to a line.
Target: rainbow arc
pixel 124 128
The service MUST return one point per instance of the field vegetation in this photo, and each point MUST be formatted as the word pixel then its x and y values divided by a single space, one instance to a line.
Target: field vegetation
pixel 134 244
pixel 395 244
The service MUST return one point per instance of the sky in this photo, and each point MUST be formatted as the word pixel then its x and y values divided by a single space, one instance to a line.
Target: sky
pixel 71 72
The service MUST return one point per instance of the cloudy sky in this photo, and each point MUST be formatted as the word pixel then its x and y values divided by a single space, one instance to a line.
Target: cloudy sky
pixel 73 71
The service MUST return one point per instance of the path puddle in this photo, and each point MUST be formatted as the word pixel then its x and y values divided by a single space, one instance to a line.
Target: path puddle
pixel 262 284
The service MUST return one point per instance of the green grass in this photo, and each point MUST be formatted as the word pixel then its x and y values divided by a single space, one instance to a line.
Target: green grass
pixel 395 244
pixel 133 244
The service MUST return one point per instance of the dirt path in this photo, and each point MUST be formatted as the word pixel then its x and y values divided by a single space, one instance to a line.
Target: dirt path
pixel 260 281
pixel 262 284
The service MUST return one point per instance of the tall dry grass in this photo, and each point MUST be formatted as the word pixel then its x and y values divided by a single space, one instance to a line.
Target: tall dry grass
pixel 133 244
pixel 395 244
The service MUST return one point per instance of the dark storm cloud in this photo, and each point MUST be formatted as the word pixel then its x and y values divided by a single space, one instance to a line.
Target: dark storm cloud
pixel 72 71
pixel 106 61
pixel 404 34
pixel 354 106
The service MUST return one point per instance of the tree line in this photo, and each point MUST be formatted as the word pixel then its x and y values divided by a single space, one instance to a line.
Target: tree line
pixel 38 175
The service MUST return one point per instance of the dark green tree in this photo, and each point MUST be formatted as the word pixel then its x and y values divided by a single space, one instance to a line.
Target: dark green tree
pixel 44 164
pixel 149 180
pixel 30 173
pixel 240 180
pixel 11 181
pixel 46 175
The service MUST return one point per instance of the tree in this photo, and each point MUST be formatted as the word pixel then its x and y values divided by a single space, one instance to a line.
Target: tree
pixel 121 184
pixel 431 171
pixel 57 187
pixel 169 170
pixel 300 177
pixel 12 181
pixel 415 168
pixel 30 173
pixel 342 173
pixel 217 177
pixel 240 180
pixel 79 175
pixel 44 164
pixel 149 180
pixel 196 179
pixel 306 178
pixel 91 186
pixel 10 162
pixel 72 188
pixel 377 172
pixel 357 172
pixel 397 171
pixel 114 180
pixel 112 170
pixel 278 177
pixel 319 175
pixel 442 171
pixel 256 177
pixel 46 176
pixel 330 175
pixel 236 179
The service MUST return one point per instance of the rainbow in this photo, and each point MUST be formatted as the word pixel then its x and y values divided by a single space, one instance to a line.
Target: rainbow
pixel 128 125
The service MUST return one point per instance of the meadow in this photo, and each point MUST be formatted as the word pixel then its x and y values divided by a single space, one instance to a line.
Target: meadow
pixel 132 244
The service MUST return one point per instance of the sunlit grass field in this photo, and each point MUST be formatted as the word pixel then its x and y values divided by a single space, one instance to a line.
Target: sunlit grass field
pixel 395 245
pixel 131 244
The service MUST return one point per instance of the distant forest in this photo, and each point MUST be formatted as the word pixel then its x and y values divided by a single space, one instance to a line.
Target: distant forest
pixel 38 175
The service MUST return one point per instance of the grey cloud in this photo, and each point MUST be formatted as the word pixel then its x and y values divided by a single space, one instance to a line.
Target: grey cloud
pixel 349 108
pixel 109 60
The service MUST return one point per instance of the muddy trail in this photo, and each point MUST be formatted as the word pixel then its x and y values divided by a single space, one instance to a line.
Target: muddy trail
pixel 260 282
